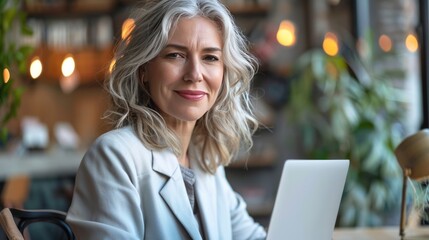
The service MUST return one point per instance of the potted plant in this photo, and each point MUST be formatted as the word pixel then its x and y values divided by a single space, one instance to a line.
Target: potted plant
pixel 343 108
pixel 12 61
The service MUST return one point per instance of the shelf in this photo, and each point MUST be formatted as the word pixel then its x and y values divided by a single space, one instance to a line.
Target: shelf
pixel 249 10
pixel 68 8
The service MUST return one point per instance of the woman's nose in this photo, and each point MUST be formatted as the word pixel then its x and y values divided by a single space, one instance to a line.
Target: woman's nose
pixel 193 71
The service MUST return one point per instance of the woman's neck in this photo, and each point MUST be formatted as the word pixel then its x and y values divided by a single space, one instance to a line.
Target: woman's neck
pixel 184 160
pixel 185 139
pixel 184 132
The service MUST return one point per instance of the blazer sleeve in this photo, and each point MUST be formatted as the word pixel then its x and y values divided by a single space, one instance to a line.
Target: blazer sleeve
pixel 106 203
pixel 243 225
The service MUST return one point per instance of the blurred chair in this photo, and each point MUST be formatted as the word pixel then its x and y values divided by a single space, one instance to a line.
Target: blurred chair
pixel 413 157
pixel 15 221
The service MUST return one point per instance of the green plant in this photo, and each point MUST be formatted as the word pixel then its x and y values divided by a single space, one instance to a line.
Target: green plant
pixel 343 108
pixel 12 58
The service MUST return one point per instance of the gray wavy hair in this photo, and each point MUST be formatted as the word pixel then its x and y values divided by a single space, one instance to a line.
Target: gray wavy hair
pixel 228 126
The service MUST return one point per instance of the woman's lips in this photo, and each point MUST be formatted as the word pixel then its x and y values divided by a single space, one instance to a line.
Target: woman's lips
pixel 193 95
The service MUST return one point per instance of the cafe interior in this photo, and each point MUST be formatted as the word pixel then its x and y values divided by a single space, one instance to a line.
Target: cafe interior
pixel 337 79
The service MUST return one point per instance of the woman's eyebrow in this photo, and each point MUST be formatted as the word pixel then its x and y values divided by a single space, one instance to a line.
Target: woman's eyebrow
pixel 183 48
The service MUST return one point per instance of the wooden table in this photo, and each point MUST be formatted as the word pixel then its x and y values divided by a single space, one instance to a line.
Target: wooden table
pixel 382 233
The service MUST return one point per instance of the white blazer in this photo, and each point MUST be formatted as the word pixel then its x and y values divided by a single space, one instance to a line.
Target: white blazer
pixel 125 191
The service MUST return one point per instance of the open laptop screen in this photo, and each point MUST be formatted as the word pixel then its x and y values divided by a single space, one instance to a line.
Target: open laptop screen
pixel 308 199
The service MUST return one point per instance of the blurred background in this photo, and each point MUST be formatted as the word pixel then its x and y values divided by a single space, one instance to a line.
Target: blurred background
pixel 337 79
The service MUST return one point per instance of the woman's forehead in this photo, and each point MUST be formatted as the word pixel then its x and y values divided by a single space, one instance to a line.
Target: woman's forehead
pixel 196 30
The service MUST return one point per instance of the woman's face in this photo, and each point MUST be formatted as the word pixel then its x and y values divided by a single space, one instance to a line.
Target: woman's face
pixel 185 78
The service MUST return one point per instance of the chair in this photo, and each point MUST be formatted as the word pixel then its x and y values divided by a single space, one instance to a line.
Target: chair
pixel 14 229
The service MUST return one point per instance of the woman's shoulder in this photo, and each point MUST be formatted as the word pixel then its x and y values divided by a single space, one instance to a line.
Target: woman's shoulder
pixel 118 137
pixel 120 148
pixel 117 133
pixel 121 140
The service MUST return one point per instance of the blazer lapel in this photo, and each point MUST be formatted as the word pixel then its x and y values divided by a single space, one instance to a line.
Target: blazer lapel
pixel 206 197
pixel 174 191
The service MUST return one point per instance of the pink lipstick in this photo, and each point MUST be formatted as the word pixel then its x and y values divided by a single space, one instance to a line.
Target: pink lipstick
pixel 193 95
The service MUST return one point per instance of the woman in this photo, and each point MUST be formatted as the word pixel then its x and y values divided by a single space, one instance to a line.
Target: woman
pixel 181 107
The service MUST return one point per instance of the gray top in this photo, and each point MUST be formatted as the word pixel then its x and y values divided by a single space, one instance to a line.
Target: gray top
pixel 189 179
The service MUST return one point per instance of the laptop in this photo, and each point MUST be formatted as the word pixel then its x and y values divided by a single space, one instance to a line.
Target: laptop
pixel 308 199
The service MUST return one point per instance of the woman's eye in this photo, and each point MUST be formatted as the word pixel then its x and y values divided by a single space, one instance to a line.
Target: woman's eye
pixel 211 58
pixel 174 55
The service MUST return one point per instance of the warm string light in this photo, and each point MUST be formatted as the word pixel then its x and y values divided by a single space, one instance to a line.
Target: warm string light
pixel 385 43
pixel 330 44
pixel 68 66
pixel 70 79
pixel 6 75
pixel 286 33
pixel 36 68
pixel 411 43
